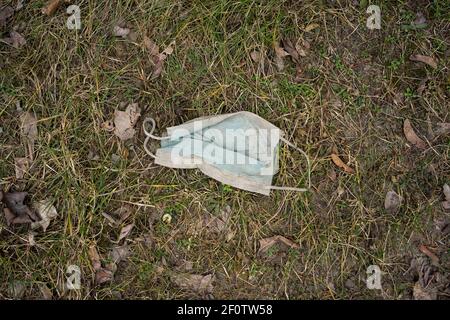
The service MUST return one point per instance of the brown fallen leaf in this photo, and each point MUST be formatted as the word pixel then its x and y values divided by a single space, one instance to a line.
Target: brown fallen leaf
pixel 434 258
pixel 421 293
pixel 338 162
pixel 412 137
pixel 119 253
pixel 46 211
pixel 29 131
pixel 22 165
pixel 46 292
pixel 392 202
pixel 15 40
pixel 311 27
pixel 160 58
pixel 6 12
pixel 95 257
pixel 51 7
pixel 446 191
pixel 119 31
pixel 151 46
pixel 125 231
pixel 424 59
pixel 124 121
pixel 289 47
pixel 194 282
pixel 266 243
pixel 215 224
pixel 443 128
pixel 16 211
pixel 280 54
pixel 102 275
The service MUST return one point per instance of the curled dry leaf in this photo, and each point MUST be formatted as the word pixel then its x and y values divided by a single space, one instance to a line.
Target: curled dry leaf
pixel 434 258
pixel 338 162
pixel 15 40
pixel 424 59
pixel 443 128
pixel 119 31
pixel 412 137
pixel 446 191
pixel 120 253
pixel 28 129
pixel 22 165
pixel 47 212
pixel 194 282
pixel 102 275
pixel 267 243
pixel 124 121
pixel 46 292
pixel 392 202
pixel 215 224
pixel 6 12
pixel 159 59
pixel 51 7
pixel 280 54
pixel 16 211
pixel 151 46
pixel 125 231
pixel 421 293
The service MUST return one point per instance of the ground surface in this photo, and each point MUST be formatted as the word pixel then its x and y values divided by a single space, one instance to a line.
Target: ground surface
pixel 349 94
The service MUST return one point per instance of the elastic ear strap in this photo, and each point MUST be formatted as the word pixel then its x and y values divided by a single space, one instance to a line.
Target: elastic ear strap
pixel 309 170
pixel 149 135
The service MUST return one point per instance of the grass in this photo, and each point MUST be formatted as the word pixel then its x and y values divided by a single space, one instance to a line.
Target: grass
pixel 357 88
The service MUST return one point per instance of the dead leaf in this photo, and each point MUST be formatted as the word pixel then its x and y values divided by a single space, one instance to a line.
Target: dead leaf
pixel 266 243
pixel 392 202
pixel 22 165
pixel 160 58
pixel 46 292
pixel 424 59
pixel 119 31
pixel 46 211
pixel 280 54
pixel 412 137
pixel 443 128
pixel 15 40
pixel 434 258
pixel 17 289
pixel 120 253
pixel 291 50
pixel 338 162
pixel 28 129
pixel 420 293
pixel 125 231
pixel 51 7
pixel 151 46
pixel 5 13
pixel 446 190
pixel 124 121
pixel 103 275
pixel 256 56
pixel 123 212
pixel 16 211
pixel 311 27
pixel 95 258
pixel 215 224
pixel 194 282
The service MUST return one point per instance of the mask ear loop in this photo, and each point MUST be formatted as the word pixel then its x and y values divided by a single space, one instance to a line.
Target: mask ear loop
pixel 149 134
pixel 309 170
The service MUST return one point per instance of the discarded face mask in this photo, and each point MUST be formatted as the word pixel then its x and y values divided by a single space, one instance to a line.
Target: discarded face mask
pixel 239 149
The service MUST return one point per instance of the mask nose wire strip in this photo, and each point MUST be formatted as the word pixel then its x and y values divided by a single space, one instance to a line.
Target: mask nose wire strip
pixel 149 135
pixel 309 170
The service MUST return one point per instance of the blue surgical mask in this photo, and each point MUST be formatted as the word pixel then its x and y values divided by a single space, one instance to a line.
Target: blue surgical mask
pixel 239 149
